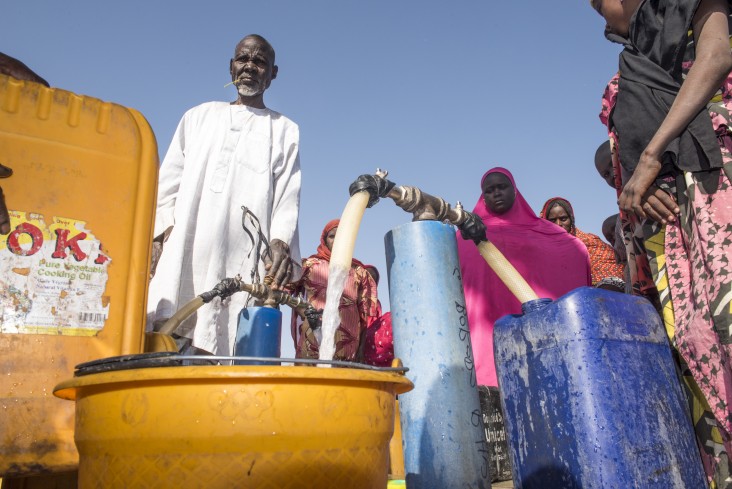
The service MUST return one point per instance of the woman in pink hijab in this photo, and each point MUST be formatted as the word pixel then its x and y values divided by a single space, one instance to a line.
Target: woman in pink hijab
pixel 552 261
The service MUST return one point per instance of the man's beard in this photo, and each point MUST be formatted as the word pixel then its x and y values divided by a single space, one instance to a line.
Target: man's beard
pixel 248 91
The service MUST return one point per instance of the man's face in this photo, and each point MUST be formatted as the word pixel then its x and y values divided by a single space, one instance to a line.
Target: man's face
pixel 252 68
pixel 498 193
pixel 559 216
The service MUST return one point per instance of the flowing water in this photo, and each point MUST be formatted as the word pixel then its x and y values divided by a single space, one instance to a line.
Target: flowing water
pixel 340 264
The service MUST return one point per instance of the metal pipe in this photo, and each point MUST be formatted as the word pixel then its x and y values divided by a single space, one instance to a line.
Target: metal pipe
pixel 423 206
pixel 426 207
pixel 225 288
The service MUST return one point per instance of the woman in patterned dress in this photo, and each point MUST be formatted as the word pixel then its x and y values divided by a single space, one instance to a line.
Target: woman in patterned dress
pixel 602 256
pixel 668 117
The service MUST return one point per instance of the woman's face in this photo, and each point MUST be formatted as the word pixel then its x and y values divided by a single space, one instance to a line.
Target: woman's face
pixel 559 216
pixel 498 193
pixel 330 237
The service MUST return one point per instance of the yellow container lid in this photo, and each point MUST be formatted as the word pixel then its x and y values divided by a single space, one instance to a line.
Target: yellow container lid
pixel 74 268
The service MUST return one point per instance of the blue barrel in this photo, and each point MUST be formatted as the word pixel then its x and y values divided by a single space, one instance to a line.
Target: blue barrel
pixel 442 427
pixel 258 334
pixel 591 396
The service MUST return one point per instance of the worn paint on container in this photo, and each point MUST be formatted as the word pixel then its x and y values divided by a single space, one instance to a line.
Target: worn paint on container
pixel 591 396
pixel 75 265
pixel 442 425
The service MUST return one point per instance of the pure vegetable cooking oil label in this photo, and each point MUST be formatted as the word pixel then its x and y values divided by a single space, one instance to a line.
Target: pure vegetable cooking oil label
pixel 52 277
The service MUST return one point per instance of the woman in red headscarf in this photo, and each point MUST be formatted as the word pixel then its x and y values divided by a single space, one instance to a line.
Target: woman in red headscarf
pixel 602 256
pixel 551 261
pixel 358 303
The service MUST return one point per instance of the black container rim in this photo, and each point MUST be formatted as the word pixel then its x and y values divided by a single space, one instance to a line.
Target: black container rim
pixel 174 359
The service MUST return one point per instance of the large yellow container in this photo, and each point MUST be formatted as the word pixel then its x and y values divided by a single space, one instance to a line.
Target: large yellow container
pixel 234 426
pixel 73 271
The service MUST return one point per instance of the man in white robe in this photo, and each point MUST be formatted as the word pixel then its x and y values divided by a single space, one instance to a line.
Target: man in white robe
pixel 224 156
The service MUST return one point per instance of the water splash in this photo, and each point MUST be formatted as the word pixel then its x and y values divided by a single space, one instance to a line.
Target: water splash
pixel 331 316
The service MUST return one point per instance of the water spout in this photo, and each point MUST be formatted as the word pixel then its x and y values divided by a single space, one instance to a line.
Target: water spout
pixel 424 206
pixel 225 288
pixel 340 264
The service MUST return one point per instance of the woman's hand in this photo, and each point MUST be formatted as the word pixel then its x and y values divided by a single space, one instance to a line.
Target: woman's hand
pixel 659 205
pixel 711 66
pixel 644 199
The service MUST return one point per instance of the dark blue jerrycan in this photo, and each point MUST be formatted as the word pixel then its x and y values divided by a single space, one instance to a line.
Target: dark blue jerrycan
pixel 258 334
pixel 591 396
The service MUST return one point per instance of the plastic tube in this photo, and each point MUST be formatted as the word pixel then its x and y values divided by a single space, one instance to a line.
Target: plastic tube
pixel 180 315
pixel 340 263
pixel 506 272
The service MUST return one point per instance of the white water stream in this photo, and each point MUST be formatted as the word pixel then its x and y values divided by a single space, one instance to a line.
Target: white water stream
pixel 340 264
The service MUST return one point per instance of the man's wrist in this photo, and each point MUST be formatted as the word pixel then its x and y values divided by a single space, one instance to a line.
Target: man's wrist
pixel 280 244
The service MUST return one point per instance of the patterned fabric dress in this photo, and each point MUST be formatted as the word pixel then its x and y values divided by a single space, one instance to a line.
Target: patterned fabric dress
pixel 602 256
pixel 684 269
pixel 379 343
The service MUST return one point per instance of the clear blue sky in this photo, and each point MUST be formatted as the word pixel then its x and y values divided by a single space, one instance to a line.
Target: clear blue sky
pixel 435 92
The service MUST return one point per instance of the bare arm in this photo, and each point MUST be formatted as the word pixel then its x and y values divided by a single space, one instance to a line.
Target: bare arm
pixel 712 65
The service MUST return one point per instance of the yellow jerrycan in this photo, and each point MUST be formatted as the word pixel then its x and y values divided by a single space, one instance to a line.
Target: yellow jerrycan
pixel 74 267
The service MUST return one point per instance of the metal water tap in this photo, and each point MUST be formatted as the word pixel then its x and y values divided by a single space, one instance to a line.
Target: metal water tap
pixel 272 297
pixel 226 288
pixel 422 206
pixel 262 291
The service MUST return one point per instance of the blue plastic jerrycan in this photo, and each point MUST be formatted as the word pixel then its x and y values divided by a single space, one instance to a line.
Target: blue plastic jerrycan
pixel 258 334
pixel 591 396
